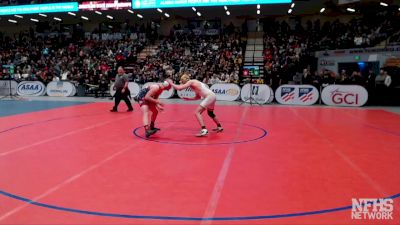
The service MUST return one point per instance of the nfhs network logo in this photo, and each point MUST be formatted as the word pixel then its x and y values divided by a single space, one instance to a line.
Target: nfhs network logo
pixel 372 209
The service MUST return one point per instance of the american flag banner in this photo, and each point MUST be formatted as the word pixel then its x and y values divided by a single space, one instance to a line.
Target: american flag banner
pixel 305 94
pixel 288 94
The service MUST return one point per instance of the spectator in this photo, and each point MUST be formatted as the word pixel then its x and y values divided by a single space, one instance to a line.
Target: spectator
pixel 103 86
pixel 358 79
pixel 383 79
pixel 306 77
pixel 371 79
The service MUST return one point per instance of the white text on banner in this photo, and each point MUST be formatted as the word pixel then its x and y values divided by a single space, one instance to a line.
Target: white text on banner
pixel 31 88
pixel 60 89
pixel 226 92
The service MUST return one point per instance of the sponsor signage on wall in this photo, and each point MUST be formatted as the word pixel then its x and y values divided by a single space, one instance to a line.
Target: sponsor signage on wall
pixel 344 95
pixel 31 88
pixel 39 8
pixel 104 5
pixel 297 95
pixel 60 89
pixel 226 92
pixel 259 93
pixel 143 4
pixel 358 51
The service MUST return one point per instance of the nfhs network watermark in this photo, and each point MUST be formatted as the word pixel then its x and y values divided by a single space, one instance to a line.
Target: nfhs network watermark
pixel 372 209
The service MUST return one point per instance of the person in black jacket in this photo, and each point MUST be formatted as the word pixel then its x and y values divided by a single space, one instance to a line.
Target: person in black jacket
pixel 103 86
pixel 121 90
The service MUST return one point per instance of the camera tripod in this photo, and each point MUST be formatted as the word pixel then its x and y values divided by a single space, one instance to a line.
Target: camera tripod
pixel 252 92
pixel 10 95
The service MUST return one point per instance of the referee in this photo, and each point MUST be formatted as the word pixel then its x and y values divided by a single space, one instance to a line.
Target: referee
pixel 122 90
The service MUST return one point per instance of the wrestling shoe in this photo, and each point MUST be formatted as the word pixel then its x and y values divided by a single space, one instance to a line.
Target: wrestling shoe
pixel 155 128
pixel 218 129
pixel 148 133
pixel 202 133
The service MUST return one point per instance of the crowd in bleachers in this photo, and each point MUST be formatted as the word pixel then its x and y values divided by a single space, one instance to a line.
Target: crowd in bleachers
pixel 211 59
pixel 217 58
pixel 89 61
pixel 289 52
pixel 80 60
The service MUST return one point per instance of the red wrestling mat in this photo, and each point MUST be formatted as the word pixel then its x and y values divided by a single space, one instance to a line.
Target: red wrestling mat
pixel 271 165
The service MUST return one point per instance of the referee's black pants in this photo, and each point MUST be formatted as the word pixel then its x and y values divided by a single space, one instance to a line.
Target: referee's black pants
pixel 122 96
